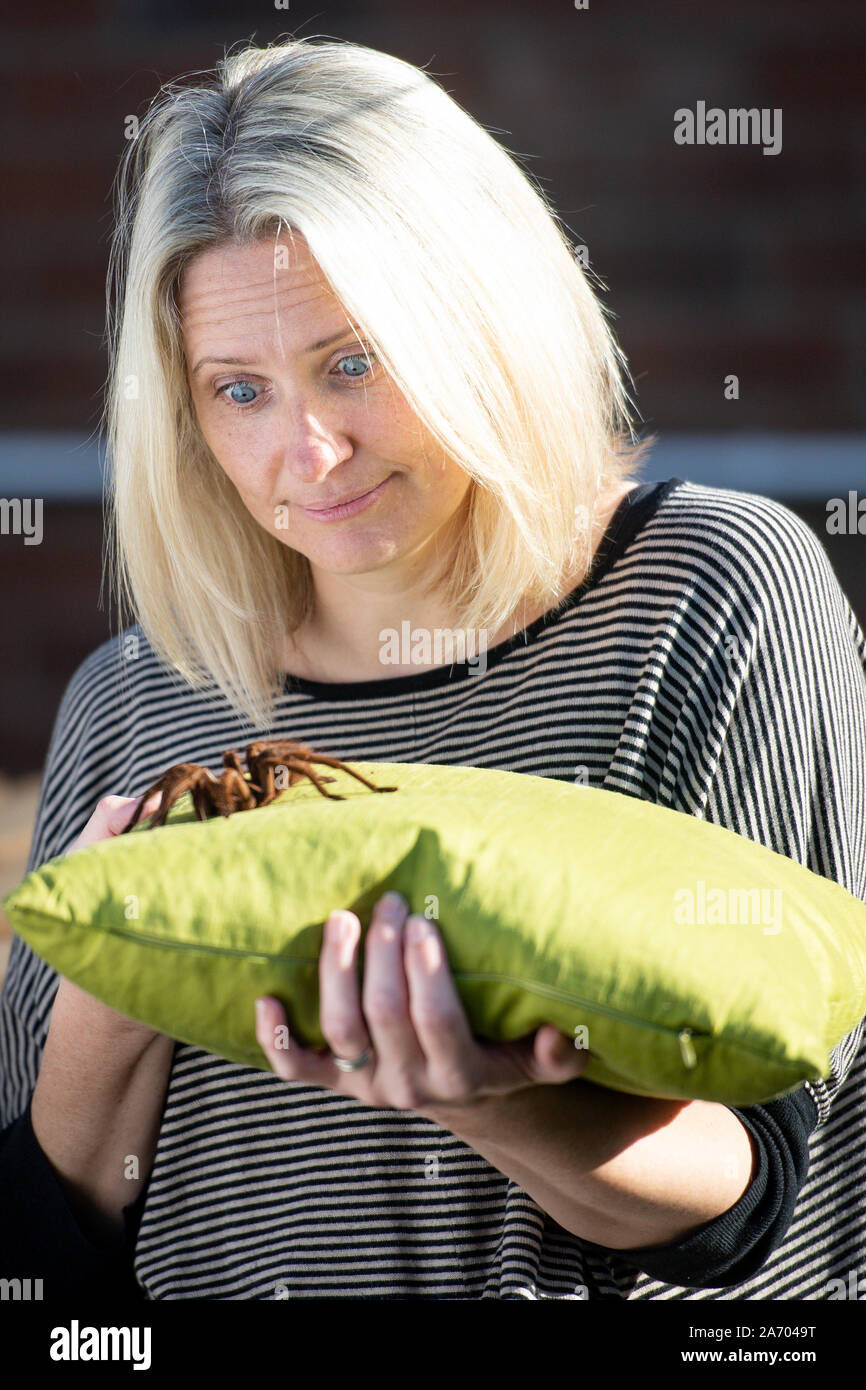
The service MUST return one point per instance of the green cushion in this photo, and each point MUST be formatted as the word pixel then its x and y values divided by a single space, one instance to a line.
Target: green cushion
pixel 700 964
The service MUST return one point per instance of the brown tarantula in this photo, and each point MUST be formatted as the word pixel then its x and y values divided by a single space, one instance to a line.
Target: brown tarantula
pixel 231 791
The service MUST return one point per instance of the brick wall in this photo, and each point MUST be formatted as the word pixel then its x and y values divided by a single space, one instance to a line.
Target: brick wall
pixel 719 259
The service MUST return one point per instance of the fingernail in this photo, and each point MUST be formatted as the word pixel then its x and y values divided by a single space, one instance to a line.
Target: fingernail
pixel 422 933
pixel 349 934
pixel 416 930
pixel 340 923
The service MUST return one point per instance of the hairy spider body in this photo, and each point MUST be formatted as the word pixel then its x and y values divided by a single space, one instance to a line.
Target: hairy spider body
pixel 233 790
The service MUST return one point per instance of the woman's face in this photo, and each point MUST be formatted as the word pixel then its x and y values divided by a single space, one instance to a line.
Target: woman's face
pixel 302 419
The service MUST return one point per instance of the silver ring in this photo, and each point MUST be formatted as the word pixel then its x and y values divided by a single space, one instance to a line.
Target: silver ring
pixel 359 1062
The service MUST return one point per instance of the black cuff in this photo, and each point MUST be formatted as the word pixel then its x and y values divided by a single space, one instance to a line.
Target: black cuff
pixel 733 1246
pixel 40 1237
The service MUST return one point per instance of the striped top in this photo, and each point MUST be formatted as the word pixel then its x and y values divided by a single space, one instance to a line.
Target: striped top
pixel 710 663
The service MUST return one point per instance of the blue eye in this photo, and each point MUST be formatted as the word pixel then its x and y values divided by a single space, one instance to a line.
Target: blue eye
pixel 249 390
pixel 365 358
pixel 240 386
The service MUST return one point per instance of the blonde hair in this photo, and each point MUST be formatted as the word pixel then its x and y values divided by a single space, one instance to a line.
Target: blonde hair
pixel 442 251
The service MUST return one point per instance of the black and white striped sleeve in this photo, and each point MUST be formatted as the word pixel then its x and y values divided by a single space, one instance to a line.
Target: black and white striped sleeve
pixel 779 693
pixel 38 1231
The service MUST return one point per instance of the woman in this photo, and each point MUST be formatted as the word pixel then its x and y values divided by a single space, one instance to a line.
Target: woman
pixel 358 380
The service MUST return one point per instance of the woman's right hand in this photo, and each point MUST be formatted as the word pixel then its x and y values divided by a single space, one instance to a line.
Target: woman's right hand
pixel 97 1105
pixel 112 815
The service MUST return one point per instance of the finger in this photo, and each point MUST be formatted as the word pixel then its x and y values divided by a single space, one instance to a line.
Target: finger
pixel 340 1017
pixel 385 993
pixel 548 1057
pixel 111 815
pixel 121 816
pixel 287 1058
pixel 436 1010
pixel 555 1056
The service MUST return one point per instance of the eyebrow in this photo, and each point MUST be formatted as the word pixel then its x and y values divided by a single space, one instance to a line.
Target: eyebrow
pixel 243 361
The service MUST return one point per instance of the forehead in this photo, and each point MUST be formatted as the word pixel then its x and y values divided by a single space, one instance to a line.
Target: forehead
pixel 235 293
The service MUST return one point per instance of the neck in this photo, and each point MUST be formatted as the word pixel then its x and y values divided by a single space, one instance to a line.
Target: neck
pixel 346 634
pixel 346 638
pixel 352 621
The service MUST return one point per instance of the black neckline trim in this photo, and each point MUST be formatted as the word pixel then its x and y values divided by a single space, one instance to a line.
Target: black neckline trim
pixel 631 515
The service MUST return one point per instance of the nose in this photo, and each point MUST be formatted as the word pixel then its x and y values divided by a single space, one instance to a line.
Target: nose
pixel 312 445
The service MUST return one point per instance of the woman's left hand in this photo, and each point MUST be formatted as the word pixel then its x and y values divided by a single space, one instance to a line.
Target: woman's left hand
pixel 409 1020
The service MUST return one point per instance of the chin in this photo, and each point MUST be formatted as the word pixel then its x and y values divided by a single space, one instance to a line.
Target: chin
pixel 358 557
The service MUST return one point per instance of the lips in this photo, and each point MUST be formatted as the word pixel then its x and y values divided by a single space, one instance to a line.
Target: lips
pixel 340 501
pixel 342 511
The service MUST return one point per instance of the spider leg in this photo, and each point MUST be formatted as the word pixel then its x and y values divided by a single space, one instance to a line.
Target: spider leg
pixel 263 774
pixel 145 796
pixel 203 797
pixel 300 753
pixel 171 785
pixel 275 752
pixel 295 776
pixel 233 764
pixel 295 754
pixel 231 760
pixel 267 759
pixel 307 771
pixel 335 762
pixel 233 793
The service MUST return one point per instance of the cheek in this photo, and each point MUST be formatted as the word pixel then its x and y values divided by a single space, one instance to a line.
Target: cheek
pixel 237 455
pixel 454 483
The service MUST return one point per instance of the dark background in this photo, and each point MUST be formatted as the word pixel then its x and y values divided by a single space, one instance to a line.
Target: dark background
pixel 719 259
